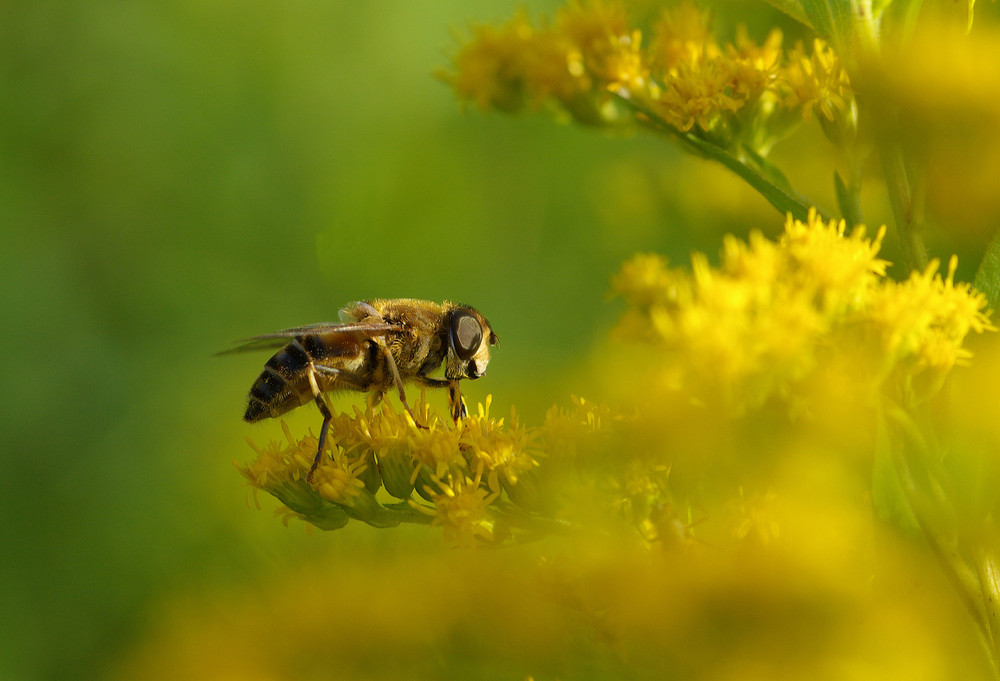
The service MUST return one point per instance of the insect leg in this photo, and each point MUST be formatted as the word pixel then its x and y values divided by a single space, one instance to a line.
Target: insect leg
pixel 398 381
pixel 324 409
pixel 327 417
pixel 455 401
pixel 458 410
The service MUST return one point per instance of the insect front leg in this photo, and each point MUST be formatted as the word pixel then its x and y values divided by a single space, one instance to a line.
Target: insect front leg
pixel 455 402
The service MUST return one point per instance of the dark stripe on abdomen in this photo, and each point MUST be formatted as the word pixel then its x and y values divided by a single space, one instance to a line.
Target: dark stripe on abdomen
pixel 268 385
pixel 269 395
pixel 290 360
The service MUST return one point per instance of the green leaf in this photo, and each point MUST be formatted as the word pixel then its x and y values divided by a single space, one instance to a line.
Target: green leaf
pixel 830 18
pixel 849 26
pixel 781 197
pixel 904 16
pixel 879 6
pixel 988 275
pixel 762 176
pixel 792 8
pixel 768 169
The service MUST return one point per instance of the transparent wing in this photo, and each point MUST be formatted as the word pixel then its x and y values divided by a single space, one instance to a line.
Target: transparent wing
pixel 277 339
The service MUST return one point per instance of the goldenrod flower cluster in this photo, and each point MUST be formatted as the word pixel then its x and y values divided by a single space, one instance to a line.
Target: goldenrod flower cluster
pixel 930 118
pixel 592 64
pixel 774 313
pixel 483 480
pixel 472 478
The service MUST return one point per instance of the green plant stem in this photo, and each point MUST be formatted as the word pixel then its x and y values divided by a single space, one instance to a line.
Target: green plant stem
pixel 907 208
pixel 989 580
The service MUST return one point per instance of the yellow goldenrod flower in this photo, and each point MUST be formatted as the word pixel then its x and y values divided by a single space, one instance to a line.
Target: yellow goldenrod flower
pixel 393 436
pixel 646 280
pixel 280 469
pixel 511 66
pixel 700 82
pixel 937 96
pixel 757 325
pixel 815 82
pixel 281 463
pixel 728 94
pixel 603 46
pixel 697 93
pixel 922 324
pixel 461 508
pixel 341 484
pixel 842 269
pixel 371 449
pixel 564 431
pixel 503 449
pixel 682 34
pixel 753 67
pixel 589 51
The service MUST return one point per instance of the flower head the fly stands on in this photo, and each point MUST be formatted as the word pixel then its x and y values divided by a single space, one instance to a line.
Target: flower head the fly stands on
pixel 382 469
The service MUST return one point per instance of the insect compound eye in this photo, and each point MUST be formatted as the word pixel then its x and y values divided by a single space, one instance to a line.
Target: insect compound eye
pixel 466 334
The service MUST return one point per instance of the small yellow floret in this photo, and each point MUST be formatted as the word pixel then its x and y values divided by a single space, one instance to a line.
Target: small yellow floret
pixel 815 82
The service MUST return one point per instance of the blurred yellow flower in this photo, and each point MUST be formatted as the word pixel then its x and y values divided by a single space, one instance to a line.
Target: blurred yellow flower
pixel 511 66
pixel 922 324
pixel 759 323
pixel 682 34
pixel 685 77
pixel 816 601
pixel 603 46
pixel 696 93
pixel 754 67
pixel 937 98
pixel 815 81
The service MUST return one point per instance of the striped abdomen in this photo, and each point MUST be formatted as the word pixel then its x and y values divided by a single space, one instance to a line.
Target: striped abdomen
pixel 284 384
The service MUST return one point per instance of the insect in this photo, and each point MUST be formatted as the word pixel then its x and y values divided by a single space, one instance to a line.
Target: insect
pixel 378 344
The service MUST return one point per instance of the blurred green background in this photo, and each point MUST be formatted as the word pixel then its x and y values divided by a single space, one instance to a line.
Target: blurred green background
pixel 177 175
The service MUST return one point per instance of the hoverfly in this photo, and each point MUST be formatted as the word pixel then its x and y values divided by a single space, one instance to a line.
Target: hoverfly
pixel 379 344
